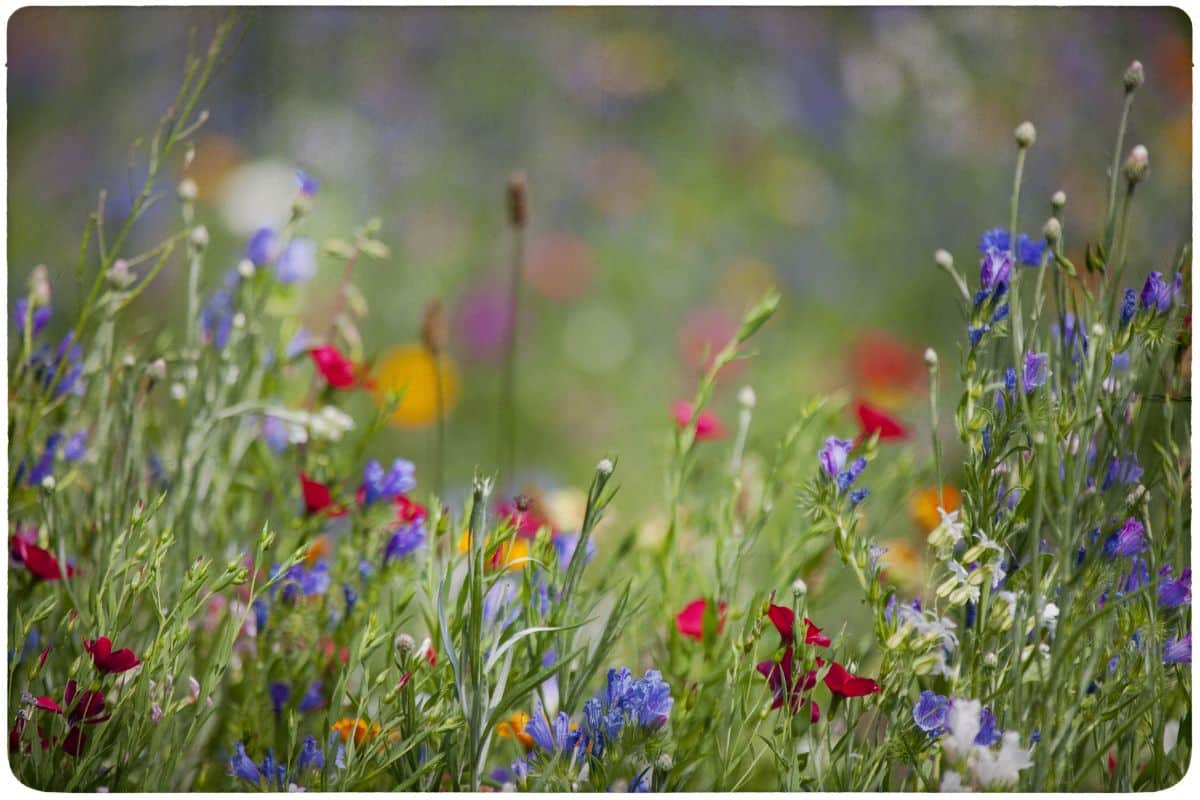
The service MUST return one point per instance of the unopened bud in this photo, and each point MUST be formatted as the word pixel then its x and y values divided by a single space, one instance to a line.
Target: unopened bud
pixel 747 398
pixel 1052 230
pixel 1025 134
pixel 605 467
pixel 1058 200
pixel 799 588
pixel 665 762
pixel 1137 166
pixel 931 357
pixel 119 274
pixel 199 237
pixel 187 190
pixel 1135 76
pixel 518 200
pixel 158 369
pixel 39 285
pixel 405 643
pixel 245 268
pixel 943 259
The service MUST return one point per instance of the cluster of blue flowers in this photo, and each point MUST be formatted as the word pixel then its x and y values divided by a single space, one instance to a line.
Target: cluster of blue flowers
pixel 833 456
pixel 379 485
pixel 1033 373
pixel 276 774
pixel 1029 252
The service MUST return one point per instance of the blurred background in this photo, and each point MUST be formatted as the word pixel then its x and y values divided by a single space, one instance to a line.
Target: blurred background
pixel 680 162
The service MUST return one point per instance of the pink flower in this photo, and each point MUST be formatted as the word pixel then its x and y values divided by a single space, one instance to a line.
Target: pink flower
pixel 690 621
pixel 874 419
pixel 707 425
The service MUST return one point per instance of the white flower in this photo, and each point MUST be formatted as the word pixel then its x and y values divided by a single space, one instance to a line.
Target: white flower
pixel 1001 768
pixel 948 533
pixel 962 725
pixel 1170 736
pixel 952 782
pixel 1049 617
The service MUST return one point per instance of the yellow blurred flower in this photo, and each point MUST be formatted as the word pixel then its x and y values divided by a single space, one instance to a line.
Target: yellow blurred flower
pixel 514 728
pixel 361 730
pixel 923 505
pixel 513 554
pixel 902 564
pixel 565 508
pixel 410 369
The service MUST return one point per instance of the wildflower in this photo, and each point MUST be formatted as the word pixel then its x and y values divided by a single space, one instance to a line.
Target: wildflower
pixel 62 370
pixel 106 659
pixel 312 700
pixel 885 368
pixel 858 495
pixel 40 316
pixel 242 767
pixel 1178 651
pixel 1158 293
pixel 833 455
pixel 784 620
pixel 317 498
pixel 44 467
pixel 1128 541
pixel 359 728
pixel 216 318
pixel 334 367
pixel 995 271
pixel 565 546
pixel 559 738
pixel 429 382
pixel 874 420
pixel 75 447
pixel 514 728
pixel 1035 372
pixel 1128 307
pixel 841 682
pixel 297 263
pixel 925 506
pixel 1122 471
pixel 690 621
pixel 309 582
pixel 707 425
pixel 261 247
pixel 1029 252
pixel 526 516
pixel 1174 593
pixel 279 693
pixel 946 536
pixel 378 485
pixel 311 756
pixel 995 769
pixel 41 563
pixel 930 713
pixel 308 185
pixel 405 539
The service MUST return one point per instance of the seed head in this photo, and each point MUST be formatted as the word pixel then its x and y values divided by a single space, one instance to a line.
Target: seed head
pixel 518 200
pixel 433 327
pixel 931 357
pixel 1025 134
pixel 605 467
pixel 747 398
pixel 1135 76
pixel 799 587
pixel 1137 165
pixel 187 190
pixel 199 237
pixel 1052 230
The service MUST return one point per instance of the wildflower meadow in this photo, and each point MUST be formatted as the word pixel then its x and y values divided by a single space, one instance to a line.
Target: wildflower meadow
pixel 222 579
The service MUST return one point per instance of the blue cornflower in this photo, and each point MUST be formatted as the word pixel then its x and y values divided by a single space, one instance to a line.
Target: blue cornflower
pixel 298 262
pixel 1029 252
pixel 404 540
pixel 261 247
pixel 988 735
pixel 241 765
pixel 312 699
pixel 279 693
pixel 1174 593
pixel 848 476
pixel 1128 307
pixel 833 455
pixel 993 239
pixel 378 485
pixel 995 271
pixel 75 447
pixel 930 713
pixel 1178 651
pixel 311 756
pixel 1123 471
pixel 41 316
pixel 858 495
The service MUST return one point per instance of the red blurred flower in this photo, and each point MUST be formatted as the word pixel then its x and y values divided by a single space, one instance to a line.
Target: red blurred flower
pixel 690 621
pixel 41 563
pixel 707 424
pixel 108 660
pixel 409 511
pixel 339 371
pixel 317 498
pixel 840 681
pixel 881 364
pixel 527 521
pixel 874 419
pixel 784 620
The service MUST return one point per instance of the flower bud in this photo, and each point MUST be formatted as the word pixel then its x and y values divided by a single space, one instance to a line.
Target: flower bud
pixel 943 259
pixel 405 643
pixel 1025 134
pixel 665 762
pixel 1052 230
pixel 199 237
pixel 799 588
pixel 1137 166
pixel 746 397
pixel 119 274
pixel 518 200
pixel 1135 76
pixel 931 357
pixel 158 369
pixel 245 268
pixel 39 285
pixel 187 190
pixel 605 467
pixel 1058 200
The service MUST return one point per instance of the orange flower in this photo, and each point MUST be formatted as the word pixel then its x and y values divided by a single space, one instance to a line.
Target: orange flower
pixel 902 564
pixel 317 550
pixel 923 505
pixel 513 554
pixel 514 728
pixel 362 732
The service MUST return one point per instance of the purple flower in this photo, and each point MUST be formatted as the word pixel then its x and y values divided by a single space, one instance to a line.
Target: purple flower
pixel 279 693
pixel 312 699
pixel 1178 651
pixel 216 318
pixel 378 485
pixel 1035 370
pixel 988 735
pixel 1000 315
pixel 297 263
pixel 404 540
pixel 1158 293
pixel 1128 307
pixel 994 239
pixel 930 713
pixel 848 476
pixel 76 446
pixel 1128 541
pixel 261 247
pixel 975 334
pixel 44 468
pixel 241 765
pixel 565 545
pixel 308 582
pixel 275 433
pixel 307 183
pixel 311 756
pixel 833 455
pixel 1174 593
pixel 995 271
pixel 858 495
pixel 1029 252
pixel 67 356
pixel 997 240
pixel 1123 471
pixel 41 316
pixel 1139 575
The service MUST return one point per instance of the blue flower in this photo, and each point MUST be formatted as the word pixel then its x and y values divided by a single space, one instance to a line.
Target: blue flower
pixel 1075 339
pixel 1178 651
pixel 993 239
pixel 641 783
pixel 351 597
pixel 279 693
pixel 1000 314
pixel 565 546
pixel 930 713
pixel 988 735
pixel 41 316
pixel 312 699
pixel 833 455
pixel 650 700
pixel 556 738
pixel 858 495
pixel 261 613
pixel 378 485
pixel 995 271
pixel 67 360
pixel 44 468
pixel 76 446
pixel 307 183
pixel 404 540
pixel 1139 575
pixel 1128 307
pixel 1035 372
pixel 216 318
pixel 261 247
pixel 275 433
pixel 997 240
pixel 848 476
pixel 311 756
pixel 1157 293
pixel 1122 470
pixel 975 333
pixel 1128 541
pixel 241 765
pixel 298 262
pixel 1174 593
pixel 309 582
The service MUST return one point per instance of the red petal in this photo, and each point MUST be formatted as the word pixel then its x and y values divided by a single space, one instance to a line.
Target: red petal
pixel 40 562
pixel 121 661
pixel 842 682
pixel 408 511
pixel 334 367
pixel 707 425
pixel 73 744
pixel 813 635
pixel 690 621
pixel 784 620
pixel 876 419
pixel 316 495
pixel 814 715
pixel 47 704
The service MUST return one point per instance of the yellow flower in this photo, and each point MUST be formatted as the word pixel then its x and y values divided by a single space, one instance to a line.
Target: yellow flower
pixel 923 505
pixel 514 728
pixel 512 554
pixel 410 369
pixel 902 564
pixel 362 732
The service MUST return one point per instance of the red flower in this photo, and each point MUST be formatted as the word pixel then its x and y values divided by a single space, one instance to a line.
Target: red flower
pixel 707 425
pixel 338 370
pixel 874 419
pixel 784 620
pixel 690 621
pixel 527 522
pixel 41 563
pixel 880 363
pixel 89 710
pixel 107 660
pixel 317 498
pixel 840 681
pixel 779 678
pixel 408 511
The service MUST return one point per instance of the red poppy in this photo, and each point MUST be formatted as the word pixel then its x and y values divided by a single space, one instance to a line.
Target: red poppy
pixel 108 660
pixel 707 425
pixel 784 620
pixel 690 621
pixel 41 563
pixel 840 681
pixel 317 498
pixel 880 363
pixel 874 419
pixel 339 371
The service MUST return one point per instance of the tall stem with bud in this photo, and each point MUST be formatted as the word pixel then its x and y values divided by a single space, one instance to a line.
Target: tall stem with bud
pixel 518 218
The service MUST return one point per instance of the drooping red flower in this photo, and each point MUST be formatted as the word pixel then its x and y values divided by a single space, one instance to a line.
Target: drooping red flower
pixel 317 498
pixel 707 425
pixel 784 620
pixel 841 682
pixel 38 561
pixel 337 370
pixel 690 621
pixel 89 710
pixel 873 419
pixel 779 675
pixel 108 660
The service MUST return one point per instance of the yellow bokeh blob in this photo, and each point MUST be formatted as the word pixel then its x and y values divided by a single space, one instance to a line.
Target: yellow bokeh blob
pixel 410 369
